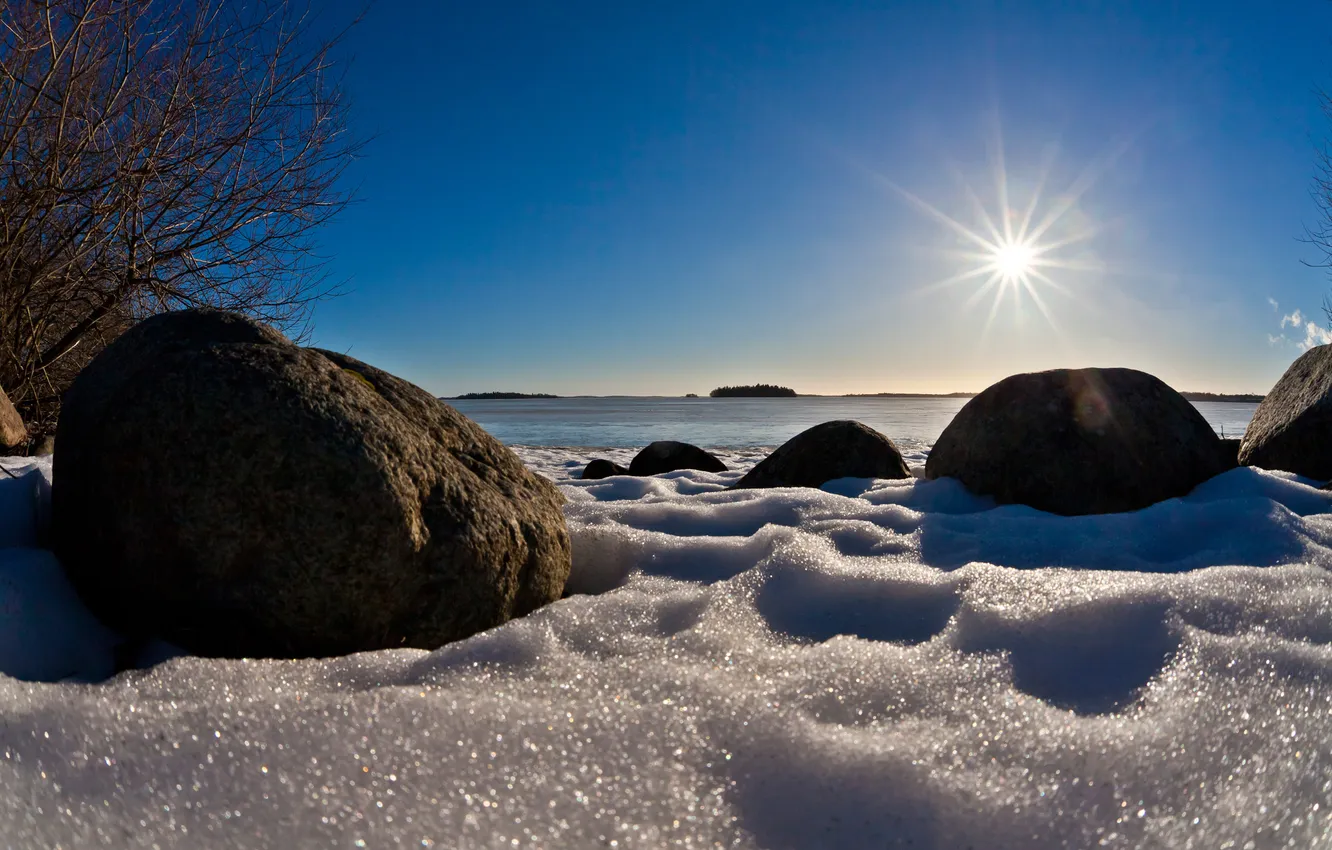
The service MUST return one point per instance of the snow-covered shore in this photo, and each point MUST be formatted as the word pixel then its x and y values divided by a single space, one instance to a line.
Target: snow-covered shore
pixel 872 664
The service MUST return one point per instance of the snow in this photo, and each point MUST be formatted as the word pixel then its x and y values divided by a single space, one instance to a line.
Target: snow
pixel 45 632
pixel 876 663
pixel 25 495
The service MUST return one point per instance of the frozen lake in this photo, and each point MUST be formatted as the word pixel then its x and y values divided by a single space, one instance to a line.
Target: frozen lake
pixel 625 421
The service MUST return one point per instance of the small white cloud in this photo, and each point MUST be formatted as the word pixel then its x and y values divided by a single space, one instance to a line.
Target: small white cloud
pixel 1273 302
pixel 1314 335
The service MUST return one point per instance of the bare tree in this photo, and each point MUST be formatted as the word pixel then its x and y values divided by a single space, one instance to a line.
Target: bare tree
pixel 157 154
pixel 1320 235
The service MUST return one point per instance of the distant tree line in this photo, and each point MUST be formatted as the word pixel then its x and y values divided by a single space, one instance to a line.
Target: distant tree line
pixel 481 396
pixel 1251 398
pixel 909 395
pixel 753 391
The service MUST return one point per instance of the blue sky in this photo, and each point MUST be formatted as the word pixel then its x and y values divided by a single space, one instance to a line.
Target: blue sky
pixel 610 198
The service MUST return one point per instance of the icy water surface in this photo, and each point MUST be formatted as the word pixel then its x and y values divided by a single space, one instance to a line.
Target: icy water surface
pixel 623 422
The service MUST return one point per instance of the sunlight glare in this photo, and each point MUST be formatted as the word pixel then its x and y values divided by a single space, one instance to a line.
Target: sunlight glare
pixel 1014 260
pixel 1012 251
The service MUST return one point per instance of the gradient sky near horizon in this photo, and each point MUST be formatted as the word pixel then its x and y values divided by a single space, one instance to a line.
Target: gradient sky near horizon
pixel 625 198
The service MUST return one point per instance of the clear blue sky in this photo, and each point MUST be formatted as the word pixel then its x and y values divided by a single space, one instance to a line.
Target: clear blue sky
pixel 661 198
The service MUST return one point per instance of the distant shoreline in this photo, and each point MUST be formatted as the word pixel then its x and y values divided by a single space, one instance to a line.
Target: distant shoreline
pixel 900 395
pixel 1245 398
pixel 495 396
pixel 1240 398
pixel 1249 398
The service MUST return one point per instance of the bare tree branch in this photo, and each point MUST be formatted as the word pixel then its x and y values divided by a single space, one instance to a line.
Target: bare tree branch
pixel 157 154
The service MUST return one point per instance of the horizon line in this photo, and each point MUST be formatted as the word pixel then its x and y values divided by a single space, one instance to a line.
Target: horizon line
pixel 521 396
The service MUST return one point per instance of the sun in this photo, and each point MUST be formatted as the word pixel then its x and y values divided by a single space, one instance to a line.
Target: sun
pixel 1014 260
pixel 1015 252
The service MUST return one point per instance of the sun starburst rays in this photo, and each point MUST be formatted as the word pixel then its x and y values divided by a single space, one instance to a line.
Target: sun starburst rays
pixel 1016 252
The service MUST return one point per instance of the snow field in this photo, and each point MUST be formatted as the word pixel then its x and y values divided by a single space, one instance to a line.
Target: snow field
pixel 872 664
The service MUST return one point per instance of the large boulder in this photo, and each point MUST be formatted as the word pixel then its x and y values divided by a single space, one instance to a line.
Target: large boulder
pixel 668 456
pixel 602 468
pixel 224 489
pixel 12 432
pixel 1079 441
pixel 840 449
pixel 1292 427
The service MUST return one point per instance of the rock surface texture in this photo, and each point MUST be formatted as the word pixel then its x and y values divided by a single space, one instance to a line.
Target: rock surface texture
pixel 237 495
pixel 668 456
pixel 1079 441
pixel 840 449
pixel 1292 428
pixel 12 432
pixel 602 468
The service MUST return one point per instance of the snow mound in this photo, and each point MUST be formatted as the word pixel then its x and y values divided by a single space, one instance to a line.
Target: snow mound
pixel 871 664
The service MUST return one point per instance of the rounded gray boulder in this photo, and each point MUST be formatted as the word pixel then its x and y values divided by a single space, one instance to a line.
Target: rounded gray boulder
pixel 1292 428
pixel 13 434
pixel 602 468
pixel 670 455
pixel 1079 441
pixel 230 492
pixel 839 449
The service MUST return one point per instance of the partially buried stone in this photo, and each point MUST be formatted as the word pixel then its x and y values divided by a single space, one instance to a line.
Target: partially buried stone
pixel 12 432
pixel 232 493
pixel 1230 449
pixel 839 449
pixel 1079 441
pixel 669 456
pixel 1292 428
pixel 602 468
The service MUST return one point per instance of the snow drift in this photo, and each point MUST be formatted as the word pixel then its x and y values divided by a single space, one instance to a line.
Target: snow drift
pixel 871 664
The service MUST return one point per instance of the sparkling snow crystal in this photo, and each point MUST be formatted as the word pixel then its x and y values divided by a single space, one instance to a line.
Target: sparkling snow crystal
pixel 871 664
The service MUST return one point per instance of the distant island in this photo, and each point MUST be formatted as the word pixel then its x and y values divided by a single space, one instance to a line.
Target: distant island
pixel 1250 398
pixel 480 396
pixel 773 391
pixel 753 391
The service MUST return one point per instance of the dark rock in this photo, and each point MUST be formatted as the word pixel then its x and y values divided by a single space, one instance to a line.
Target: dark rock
pixel 12 432
pixel 1078 441
pixel 1292 427
pixel 668 456
pixel 227 491
pixel 602 468
pixel 1230 449
pixel 841 449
